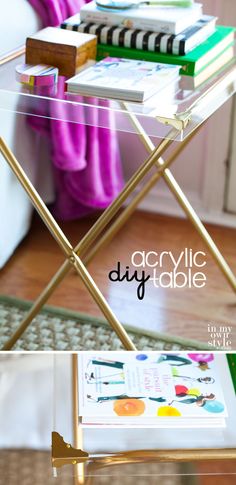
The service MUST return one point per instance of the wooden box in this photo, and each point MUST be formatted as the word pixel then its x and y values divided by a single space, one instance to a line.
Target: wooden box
pixel 60 48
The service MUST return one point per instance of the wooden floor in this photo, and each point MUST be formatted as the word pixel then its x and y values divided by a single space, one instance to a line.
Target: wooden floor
pixel 179 312
pixel 182 312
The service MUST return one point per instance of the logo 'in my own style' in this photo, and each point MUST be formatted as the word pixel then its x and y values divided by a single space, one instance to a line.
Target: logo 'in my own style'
pixel 220 336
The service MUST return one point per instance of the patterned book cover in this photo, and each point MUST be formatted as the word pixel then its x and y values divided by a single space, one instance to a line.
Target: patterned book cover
pixel 151 389
pixel 123 79
pixel 179 44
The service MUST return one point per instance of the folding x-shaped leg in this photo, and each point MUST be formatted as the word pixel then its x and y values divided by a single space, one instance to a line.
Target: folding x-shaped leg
pixel 74 255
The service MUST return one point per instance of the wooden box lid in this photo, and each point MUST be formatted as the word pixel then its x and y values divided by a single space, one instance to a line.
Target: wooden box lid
pixel 64 41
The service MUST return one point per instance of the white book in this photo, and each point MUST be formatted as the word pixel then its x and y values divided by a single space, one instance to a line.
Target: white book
pixel 170 20
pixel 124 79
pixel 164 391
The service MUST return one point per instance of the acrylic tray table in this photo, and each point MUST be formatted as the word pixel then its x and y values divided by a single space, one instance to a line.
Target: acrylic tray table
pixel 175 119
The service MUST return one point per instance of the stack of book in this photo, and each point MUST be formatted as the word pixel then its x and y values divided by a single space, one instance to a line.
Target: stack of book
pixel 175 35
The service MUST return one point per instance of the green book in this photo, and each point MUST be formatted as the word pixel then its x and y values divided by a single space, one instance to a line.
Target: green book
pixel 232 367
pixel 192 64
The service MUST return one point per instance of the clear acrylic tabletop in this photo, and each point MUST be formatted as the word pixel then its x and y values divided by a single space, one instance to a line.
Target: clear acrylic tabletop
pixel 172 116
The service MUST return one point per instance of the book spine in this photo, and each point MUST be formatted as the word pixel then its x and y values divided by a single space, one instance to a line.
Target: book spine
pixel 117 19
pixel 114 51
pixel 193 36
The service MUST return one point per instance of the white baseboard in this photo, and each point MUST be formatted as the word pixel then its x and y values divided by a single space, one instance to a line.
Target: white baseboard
pixel 161 201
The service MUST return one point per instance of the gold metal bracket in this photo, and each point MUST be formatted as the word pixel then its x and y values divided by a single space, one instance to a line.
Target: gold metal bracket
pixel 179 122
pixel 64 454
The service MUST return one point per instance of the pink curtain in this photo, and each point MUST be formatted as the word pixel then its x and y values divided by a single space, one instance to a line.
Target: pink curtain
pixel 86 159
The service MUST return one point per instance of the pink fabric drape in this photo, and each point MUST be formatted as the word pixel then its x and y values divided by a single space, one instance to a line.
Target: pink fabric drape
pixel 85 157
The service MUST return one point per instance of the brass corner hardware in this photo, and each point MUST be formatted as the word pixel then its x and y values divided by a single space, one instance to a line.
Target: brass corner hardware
pixel 179 122
pixel 64 454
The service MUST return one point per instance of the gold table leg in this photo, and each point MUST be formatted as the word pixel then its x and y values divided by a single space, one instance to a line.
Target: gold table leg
pixel 188 209
pixel 79 478
pixel 199 226
pixel 89 238
pixel 129 210
pixel 72 254
pixel 59 236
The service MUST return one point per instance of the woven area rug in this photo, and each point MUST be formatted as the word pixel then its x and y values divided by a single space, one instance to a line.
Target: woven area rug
pixel 27 467
pixel 60 329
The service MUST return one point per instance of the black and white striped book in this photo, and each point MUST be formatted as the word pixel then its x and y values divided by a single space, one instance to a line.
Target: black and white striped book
pixel 179 44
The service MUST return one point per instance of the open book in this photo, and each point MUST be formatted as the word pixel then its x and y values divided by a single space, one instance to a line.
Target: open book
pixel 135 389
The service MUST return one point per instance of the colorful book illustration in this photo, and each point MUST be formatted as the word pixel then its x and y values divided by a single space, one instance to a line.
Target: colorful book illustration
pixel 124 79
pixel 170 20
pixel 192 64
pixel 151 390
pixel 179 44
